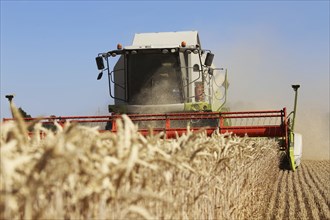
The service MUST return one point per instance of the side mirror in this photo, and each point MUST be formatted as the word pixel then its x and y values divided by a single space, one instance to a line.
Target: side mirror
pixel 209 59
pixel 211 71
pixel 99 62
pixel 100 75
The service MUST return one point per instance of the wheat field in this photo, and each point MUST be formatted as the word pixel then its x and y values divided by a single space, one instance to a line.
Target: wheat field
pixel 79 173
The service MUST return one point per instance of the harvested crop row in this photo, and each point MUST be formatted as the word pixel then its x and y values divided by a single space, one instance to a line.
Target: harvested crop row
pixel 273 198
pixel 78 172
pixel 303 194
pixel 316 186
pixel 320 175
pixel 319 199
pixel 300 202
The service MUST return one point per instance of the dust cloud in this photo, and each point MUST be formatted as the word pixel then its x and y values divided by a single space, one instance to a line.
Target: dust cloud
pixel 261 70
pixel 162 88
pixel 314 126
pixel 160 93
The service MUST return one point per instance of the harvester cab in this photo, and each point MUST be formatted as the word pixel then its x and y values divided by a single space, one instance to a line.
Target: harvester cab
pixel 162 73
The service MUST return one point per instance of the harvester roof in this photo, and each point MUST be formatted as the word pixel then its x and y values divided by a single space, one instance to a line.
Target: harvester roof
pixel 164 39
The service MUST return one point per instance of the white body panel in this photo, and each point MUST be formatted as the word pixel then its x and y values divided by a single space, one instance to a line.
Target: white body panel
pixel 165 39
pixel 297 150
pixel 217 95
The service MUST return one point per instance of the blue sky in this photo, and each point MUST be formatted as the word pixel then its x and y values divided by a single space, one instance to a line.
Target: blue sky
pixel 48 49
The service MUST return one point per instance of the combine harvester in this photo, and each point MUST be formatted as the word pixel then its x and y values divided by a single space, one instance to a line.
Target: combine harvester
pixel 168 82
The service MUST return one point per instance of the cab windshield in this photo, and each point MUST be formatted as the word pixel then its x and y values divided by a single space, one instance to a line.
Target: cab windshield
pixel 154 78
